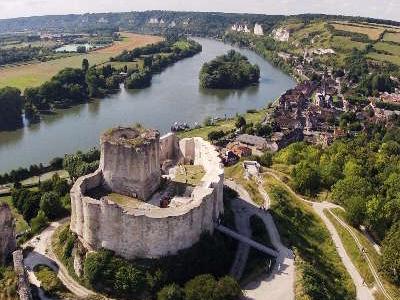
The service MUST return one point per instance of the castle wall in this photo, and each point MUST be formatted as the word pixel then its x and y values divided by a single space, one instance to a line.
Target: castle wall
pixel 169 147
pixel 7 233
pixel 156 232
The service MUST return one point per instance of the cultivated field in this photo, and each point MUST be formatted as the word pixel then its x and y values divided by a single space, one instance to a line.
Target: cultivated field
pixel 386 58
pixel 389 48
pixel 34 74
pixel 392 37
pixel 345 44
pixel 373 33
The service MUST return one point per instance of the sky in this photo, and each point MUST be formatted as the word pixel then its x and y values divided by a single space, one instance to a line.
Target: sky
pixel 382 9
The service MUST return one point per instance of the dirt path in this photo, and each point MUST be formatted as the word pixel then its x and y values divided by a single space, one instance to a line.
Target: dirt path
pixel 279 284
pixel 363 292
pixel 42 254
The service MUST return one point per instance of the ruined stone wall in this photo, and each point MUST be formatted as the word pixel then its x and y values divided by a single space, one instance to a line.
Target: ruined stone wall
pixel 155 232
pixel 169 147
pixel 24 290
pixel 7 233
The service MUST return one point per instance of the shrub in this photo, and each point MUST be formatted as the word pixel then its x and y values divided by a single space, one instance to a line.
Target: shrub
pixel 171 292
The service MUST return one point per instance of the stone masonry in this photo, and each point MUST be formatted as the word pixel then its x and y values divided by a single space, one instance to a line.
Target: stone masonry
pixel 151 232
pixel 7 233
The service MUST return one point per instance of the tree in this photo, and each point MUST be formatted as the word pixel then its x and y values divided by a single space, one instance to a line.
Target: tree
pixel 171 292
pixel 85 65
pixel 306 178
pixel 10 108
pixel 50 204
pixel 39 222
pixel 129 280
pixel 227 289
pixel 240 122
pixel 216 135
pixel 266 159
pixel 390 263
pixel 201 287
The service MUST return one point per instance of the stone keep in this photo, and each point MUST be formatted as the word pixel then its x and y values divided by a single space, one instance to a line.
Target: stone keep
pixel 130 161
pixel 7 233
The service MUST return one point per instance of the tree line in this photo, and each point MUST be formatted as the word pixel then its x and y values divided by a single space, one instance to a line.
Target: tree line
pixel 362 175
pixel 156 58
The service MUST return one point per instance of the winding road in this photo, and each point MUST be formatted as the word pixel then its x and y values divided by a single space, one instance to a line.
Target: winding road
pixel 279 284
pixel 363 292
pixel 42 254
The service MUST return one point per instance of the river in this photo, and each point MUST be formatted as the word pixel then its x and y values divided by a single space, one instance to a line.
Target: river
pixel 174 95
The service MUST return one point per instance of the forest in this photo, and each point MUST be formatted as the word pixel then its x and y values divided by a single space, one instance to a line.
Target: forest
pixel 232 70
pixel 362 175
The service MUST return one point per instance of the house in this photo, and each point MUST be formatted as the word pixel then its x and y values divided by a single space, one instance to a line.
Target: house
pixel 240 150
pixel 257 142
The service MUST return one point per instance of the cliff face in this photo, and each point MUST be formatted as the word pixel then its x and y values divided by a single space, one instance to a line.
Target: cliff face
pixel 7 233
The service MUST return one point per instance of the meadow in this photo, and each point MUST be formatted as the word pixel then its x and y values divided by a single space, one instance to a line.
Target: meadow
pixel 31 75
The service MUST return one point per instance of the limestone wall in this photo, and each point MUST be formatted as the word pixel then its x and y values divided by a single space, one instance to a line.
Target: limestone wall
pixel 154 232
pixel 24 290
pixel 7 233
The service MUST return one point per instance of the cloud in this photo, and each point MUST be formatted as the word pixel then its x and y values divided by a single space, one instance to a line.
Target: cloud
pixel 384 9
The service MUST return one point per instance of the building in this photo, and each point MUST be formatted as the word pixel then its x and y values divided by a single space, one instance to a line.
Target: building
pixel 151 220
pixel 257 142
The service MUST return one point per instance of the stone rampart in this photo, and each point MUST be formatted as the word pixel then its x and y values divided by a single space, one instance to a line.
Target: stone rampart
pixel 7 233
pixel 152 232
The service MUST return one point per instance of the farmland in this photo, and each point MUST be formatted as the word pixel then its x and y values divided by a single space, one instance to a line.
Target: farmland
pixel 34 74
pixel 392 37
pixel 373 33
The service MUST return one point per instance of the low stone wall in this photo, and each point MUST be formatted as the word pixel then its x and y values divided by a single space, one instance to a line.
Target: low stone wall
pixel 154 232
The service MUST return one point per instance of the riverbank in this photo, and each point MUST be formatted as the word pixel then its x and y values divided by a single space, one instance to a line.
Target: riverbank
pixel 173 96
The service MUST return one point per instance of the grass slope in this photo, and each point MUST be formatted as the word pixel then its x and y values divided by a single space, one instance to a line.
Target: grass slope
pixel 320 273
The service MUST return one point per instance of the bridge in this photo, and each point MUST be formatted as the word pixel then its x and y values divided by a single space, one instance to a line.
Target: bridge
pixel 250 242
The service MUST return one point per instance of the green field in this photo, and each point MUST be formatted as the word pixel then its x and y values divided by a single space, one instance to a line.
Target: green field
pixel 390 48
pixel 225 125
pixel 345 44
pixel 392 37
pixel 373 33
pixel 385 58
pixel 35 74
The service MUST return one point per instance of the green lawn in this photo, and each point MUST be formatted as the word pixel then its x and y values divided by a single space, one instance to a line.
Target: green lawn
pixel 189 174
pixel 20 224
pixel 320 273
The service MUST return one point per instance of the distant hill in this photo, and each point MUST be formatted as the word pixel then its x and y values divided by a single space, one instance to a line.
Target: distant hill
pixel 197 23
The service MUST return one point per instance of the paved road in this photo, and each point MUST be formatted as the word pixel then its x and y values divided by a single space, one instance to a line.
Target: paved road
pixel 42 254
pixel 363 292
pixel 279 284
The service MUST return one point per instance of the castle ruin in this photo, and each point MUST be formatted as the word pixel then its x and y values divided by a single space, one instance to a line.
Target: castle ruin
pixel 7 233
pixel 134 205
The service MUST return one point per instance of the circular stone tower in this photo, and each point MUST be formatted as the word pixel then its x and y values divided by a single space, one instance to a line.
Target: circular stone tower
pixel 130 161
